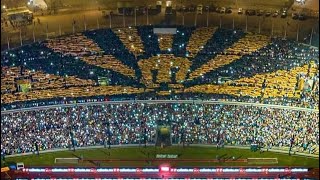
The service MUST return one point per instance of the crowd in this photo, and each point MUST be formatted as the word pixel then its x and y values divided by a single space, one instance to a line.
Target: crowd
pixel 279 54
pixel 129 123
pixel 274 69
pixel 221 39
pixel 244 46
pixel 38 57
pixel 149 40
pixel 137 63
pixel 180 40
pixel 111 44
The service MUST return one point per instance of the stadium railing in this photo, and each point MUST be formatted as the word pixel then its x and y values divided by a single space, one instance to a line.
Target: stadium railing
pixel 162 102
pixel 192 145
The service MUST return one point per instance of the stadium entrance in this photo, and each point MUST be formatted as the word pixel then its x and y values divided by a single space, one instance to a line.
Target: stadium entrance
pixel 163 136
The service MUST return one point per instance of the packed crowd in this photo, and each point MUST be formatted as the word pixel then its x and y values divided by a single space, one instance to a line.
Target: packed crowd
pixel 213 46
pixel 279 54
pixel 137 63
pixel 180 41
pixel 111 44
pixel 273 73
pixel 38 57
pixel 129 123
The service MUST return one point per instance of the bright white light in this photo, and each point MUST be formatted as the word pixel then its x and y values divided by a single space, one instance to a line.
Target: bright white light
pixel 276 170
pixel 231 170
pixel 253 170
pixel 207 170
pixel 150 170
pixel 164 169
pixel 104 170
pixel 59 170
pixel 127 170
pixel 299 170
pixel 36 170
pixel 184 170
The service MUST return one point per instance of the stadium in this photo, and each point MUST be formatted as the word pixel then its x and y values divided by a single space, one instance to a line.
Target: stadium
pixel 160 101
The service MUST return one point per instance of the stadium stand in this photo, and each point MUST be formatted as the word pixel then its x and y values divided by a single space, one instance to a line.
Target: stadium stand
pixel 165 64
pixel 130 38
pixel 149 40
pixel 199 39
pixel 246 45
pixel 130 63
pixel 231 65
pixel 124 124
pixel 180 40
pixel 165 42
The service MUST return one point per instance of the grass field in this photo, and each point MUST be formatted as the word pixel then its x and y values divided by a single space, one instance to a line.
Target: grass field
pixel 141 153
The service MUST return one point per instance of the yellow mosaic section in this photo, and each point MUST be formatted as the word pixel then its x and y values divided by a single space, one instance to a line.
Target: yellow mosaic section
pixel 244 46
pixel 199 39
pixel 281 83
pixel 75 45
pixel 130 38
pixel 224 89
pixel 163 63
pixel 70 92
pixel 165 41
pixel 110 62
pixel 40 80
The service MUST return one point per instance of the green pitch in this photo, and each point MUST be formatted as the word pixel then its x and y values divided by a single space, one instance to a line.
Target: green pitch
pixel 141 153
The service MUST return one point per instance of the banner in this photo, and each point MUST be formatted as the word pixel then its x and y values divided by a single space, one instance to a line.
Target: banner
pixel 165 30
pixel 103 81
pixel 222 80
pixel 24 85
pixel 5 169
pixel 166 156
